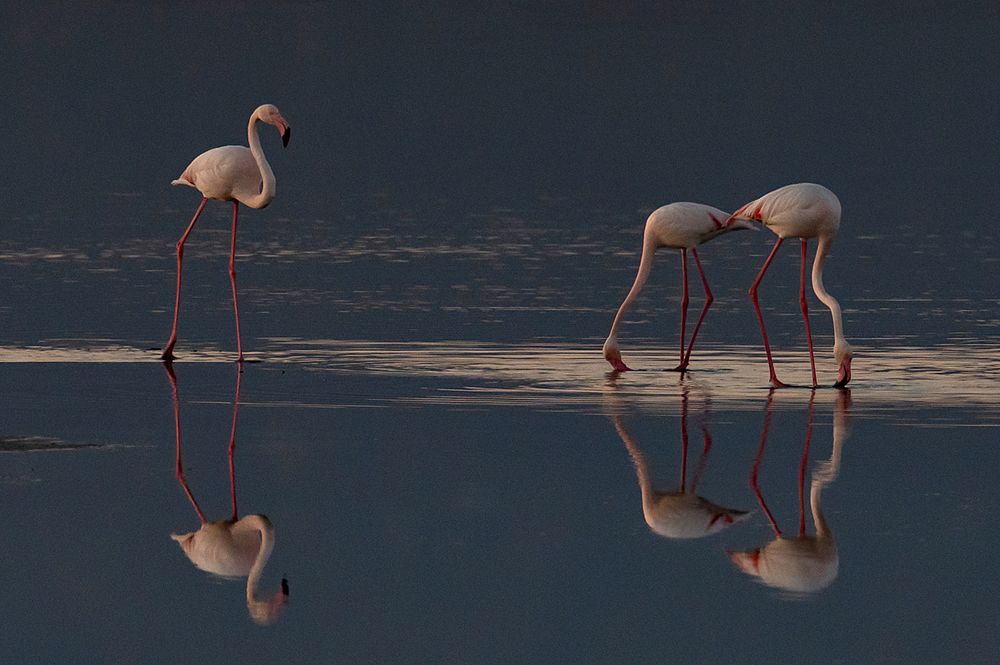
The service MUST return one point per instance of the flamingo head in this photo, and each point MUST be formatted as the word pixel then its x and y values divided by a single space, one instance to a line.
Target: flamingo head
pixel 266 612
pixel 614 356
pixel 270 114
pixel 843 354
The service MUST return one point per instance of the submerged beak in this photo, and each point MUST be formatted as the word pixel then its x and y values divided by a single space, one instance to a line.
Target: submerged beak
pixel 844 376
pixel 614 358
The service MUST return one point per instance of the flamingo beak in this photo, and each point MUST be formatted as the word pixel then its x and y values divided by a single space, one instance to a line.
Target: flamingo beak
pixel 286 133
pixel 844 376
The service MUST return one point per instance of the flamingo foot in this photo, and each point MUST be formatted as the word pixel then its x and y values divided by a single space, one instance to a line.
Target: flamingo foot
pixel 775 383
pixel 168 353
pixel 682 368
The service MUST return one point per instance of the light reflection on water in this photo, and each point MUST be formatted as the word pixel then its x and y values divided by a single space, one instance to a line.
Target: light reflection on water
pixel 547 375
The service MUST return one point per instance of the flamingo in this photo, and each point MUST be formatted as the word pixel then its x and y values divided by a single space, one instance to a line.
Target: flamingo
pixel 234 547
pixel 804 210
pixel 801 564
pixel 681 226
pixel 231 173
pixel 680 514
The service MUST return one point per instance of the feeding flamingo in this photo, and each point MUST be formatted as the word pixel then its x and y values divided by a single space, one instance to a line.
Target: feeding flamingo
pixel 804 210
pixel 230 173
pixel 680 226
pixel 234 547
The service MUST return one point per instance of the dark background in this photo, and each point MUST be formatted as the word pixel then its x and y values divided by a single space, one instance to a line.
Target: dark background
pixel 891 105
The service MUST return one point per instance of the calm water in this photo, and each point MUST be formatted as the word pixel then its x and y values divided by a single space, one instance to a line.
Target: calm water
pixel 451 472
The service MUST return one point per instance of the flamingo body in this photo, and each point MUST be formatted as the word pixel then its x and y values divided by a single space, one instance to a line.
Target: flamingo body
pixel 682 226
pixel 683 515
pixel 800 565
pixel 226 548
pixel 228 173
pixel 804 210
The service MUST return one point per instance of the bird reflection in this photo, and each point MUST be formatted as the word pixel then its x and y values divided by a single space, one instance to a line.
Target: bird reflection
pixel 681 513
pixel 802 564
pixel 235 547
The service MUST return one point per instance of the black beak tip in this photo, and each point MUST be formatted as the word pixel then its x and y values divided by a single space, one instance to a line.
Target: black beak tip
pixel 284 137
pixel 284 586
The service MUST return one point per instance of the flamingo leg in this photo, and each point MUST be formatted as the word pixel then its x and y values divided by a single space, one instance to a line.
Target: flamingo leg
pixel 805 309
pixel 760 317
pixel 179 467
pixel 704 310
pixel 232 447
pixel 684 443
pixel 684 308
pixel 703 460
pixel 168 350
pixel 232 280
pixel 756 466
pixel 803 465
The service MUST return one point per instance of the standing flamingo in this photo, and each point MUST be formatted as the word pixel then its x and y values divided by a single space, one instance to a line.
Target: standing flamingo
pixel 803 211
pixel 230 173
pixel 680 226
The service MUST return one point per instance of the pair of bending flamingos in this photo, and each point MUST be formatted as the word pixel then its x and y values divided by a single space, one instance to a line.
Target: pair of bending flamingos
pixel 804 211
pixel 242 175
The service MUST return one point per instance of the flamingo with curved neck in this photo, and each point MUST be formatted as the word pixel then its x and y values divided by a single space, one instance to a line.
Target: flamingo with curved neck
pixel 233 547
pixel 230 173
pixel 683 226
pixel 804 210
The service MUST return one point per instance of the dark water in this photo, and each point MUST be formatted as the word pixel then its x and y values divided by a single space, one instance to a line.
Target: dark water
pixel 451 473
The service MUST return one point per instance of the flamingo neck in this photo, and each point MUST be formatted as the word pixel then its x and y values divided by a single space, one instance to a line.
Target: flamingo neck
pixel 817 280
pixel 827 472
pixel 263 526
pixel 267 192
pixel 645 266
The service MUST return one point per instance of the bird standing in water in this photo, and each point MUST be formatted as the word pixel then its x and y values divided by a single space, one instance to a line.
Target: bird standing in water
pixel 231 173
pixel 803 211
pixel 681 226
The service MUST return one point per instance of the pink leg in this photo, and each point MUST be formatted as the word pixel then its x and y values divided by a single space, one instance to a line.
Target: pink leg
pixel 703 460
pixel 232 279
pixel 756 466
pixel 704 310
pixel 760 317
pixel 803 465
pixel 168 350
pixel 232 447
pixel 684 442
pixel 179 467
pixel 805 309
pixel 684 308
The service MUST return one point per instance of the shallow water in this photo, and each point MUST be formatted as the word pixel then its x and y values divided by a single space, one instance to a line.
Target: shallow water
pixel 480 493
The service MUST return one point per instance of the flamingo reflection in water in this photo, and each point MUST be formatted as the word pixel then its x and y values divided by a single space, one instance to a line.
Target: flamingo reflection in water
pixel 235 547
pixel 680 514
pixel 802 564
